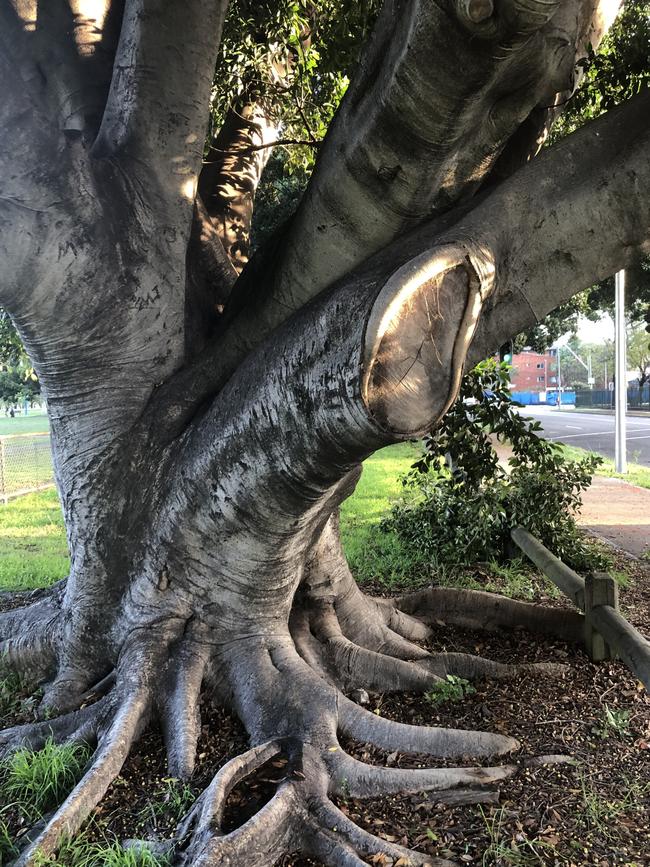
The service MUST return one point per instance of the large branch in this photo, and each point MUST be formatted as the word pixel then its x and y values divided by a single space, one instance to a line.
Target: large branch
pixel 56 60
pixel 379 357
pixel 223 212
pixel 564 221
pixel 442 90
pixel 229 179
pixel 63 52
pixel 156 108
pixel 574 216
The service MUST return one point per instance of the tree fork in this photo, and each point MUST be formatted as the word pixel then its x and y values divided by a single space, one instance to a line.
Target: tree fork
pixel 531 235
pixel 383 157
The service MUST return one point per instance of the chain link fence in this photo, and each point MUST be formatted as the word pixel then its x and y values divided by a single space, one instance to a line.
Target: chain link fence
pixel 25 464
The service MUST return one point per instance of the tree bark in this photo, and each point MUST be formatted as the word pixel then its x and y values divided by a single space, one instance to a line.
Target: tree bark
pixel 387 165
pixel 200 473
pixel 232 172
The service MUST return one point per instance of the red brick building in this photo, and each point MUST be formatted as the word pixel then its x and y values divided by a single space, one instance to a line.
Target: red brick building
pixel 533 371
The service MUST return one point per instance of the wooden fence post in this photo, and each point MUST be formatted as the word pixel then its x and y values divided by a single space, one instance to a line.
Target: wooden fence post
pixel 600 589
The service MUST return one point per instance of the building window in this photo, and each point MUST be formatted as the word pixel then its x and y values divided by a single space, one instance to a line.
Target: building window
pixel 540 366
pixel 541 378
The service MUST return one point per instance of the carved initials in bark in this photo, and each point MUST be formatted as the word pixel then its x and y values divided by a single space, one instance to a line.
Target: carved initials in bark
pixel 201 463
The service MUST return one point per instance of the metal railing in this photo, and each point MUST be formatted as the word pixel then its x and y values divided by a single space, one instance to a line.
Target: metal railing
pixel 637 398
pixel 25 464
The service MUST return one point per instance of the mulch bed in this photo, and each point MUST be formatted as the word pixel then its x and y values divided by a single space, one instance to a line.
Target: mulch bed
pixel 595 811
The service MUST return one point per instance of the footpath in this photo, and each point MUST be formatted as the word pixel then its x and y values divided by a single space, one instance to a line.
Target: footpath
pixel 619 513
pixel 612 509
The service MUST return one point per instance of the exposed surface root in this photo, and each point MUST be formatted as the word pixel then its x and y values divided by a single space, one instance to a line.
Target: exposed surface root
pixel 476 609
pixel 366 727
pixel 287 689
pixel 79 726
pixel 180 707
pixel 115 722
pixel 301 815
pixel 28 638
pixel 355 666
pixel 358 780
pixel 105 765
pixel 379 659
pixel 364 843
pixel 209 808
pixel 308 709
pixel 360 642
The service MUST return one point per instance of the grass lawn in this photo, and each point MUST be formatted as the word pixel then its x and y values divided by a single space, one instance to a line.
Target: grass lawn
pixel 33 548
pixel 22 424
pixel 373 557
pixel 636 474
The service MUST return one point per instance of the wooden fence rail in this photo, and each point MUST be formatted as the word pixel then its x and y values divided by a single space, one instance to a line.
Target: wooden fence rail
pixel 607 632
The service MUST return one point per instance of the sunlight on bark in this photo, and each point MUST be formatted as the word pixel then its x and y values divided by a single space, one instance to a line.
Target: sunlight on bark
pixel 89 17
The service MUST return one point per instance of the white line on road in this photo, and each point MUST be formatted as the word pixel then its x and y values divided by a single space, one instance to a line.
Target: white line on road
pixel 601 433
pixel 574 426
pixel 591 434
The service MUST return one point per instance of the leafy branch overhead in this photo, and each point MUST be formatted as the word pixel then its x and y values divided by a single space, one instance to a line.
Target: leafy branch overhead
pixel 295 57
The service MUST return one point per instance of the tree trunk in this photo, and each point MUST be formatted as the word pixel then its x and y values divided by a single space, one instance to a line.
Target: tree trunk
pixel 200 503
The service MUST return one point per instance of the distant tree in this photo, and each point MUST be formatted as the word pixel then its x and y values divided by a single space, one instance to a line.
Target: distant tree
pixel 18 380
pixel 638 353
pixel 11 347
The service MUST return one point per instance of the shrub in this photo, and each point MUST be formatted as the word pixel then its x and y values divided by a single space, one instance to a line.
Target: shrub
pixel 460 503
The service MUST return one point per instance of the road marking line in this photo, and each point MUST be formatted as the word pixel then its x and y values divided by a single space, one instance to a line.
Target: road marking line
pixel 574 426
pixel 590 434
pixel 599 434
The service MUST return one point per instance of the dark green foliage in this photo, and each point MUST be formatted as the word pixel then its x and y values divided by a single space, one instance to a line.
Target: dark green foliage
pixel 460 502
pixel 294 56
pixel 16 385
pixel 18 382
pixel 619 70
pixel 278 195
pixel 11 349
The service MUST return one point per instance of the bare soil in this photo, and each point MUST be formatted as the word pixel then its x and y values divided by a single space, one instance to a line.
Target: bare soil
pixel 594 810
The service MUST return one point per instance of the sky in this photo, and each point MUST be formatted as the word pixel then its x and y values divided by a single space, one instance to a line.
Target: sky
pixel 595 332
pixel 590 332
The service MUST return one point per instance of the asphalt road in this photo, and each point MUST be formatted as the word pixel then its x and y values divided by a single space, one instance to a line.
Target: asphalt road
pixel 593 431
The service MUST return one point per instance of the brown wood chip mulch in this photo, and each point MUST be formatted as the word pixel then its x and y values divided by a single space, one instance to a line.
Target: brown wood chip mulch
pixel 592 811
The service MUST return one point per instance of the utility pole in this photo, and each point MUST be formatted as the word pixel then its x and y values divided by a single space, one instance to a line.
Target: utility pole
pixel 559 380
pixel 621 374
